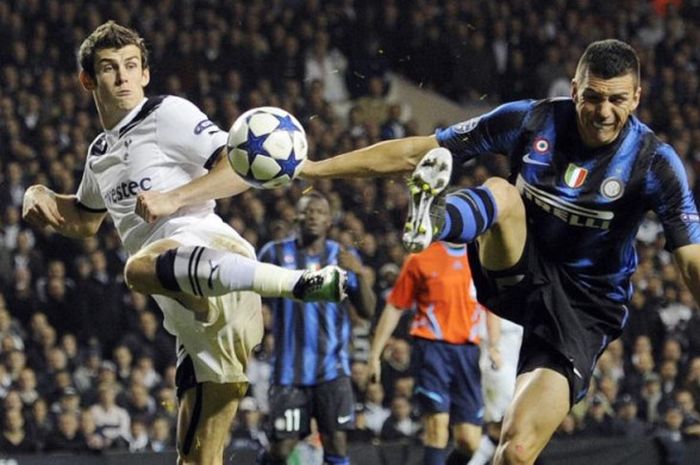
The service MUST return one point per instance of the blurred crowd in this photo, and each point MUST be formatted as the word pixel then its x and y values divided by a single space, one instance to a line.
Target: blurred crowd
pixel 85 364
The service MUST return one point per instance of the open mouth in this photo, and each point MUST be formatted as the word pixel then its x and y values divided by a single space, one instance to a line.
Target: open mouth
pixel 602 126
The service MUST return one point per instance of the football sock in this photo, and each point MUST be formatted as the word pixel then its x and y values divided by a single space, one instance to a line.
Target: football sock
pixel 332 459
pixel 484 453
pixel 434 456
pixel 468 213
pixel 457 457
pixel 204 272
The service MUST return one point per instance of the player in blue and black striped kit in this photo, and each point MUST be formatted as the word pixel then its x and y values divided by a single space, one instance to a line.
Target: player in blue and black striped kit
pixel 553 249
pixel 312 341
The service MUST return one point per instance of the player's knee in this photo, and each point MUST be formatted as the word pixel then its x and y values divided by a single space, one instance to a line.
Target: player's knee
pixel 137 271
pixel 467 444
pixel 507 197
pixel 437 432
pixel 515 449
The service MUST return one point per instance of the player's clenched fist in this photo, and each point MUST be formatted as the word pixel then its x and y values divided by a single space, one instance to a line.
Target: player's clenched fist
pixel 39 207
pixel 152 206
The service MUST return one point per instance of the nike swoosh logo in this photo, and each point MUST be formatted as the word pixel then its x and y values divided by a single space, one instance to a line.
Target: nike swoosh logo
pixel 212 270
pixel 528 159
pixel 344 419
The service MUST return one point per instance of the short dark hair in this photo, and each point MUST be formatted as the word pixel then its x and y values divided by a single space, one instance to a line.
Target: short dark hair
pixel 609 58
pixel 109 35
pixel 304 200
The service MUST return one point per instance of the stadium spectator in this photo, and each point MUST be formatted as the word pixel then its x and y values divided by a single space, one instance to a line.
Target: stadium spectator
pixel 395 364
pixel 67 437
pixel 359 379
pixel 160 435
pixel 123 360
pixel 400 426
pixel 69 401
pixel 327 65
pixel 110 420
pixel 138 402
pixel 249 432
pixel 138 435
pixel 598 422
pixel 691 418
pixel 96 441
pixel 150 339
pixel 627 423
pixel 375 412
pixel 14 438
pixel 670 435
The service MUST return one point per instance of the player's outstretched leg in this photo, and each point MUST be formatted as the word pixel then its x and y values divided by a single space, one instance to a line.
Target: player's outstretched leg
pixel 426 214
pixel 205 272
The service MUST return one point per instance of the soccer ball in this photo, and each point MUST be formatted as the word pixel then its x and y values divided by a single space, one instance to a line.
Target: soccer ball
pixel 267 147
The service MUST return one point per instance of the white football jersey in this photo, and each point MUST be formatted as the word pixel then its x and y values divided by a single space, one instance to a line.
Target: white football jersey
pixel 163 143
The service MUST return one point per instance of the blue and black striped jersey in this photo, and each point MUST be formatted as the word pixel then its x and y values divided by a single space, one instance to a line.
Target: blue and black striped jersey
pixel 312 340
pixel 584 206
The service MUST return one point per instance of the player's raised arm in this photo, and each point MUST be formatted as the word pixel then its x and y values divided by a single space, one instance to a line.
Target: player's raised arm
pixel 383 158
pixel 43 207
pixel 220 182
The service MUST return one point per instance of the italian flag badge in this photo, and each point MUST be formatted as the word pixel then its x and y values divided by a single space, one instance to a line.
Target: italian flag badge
pixel 575 175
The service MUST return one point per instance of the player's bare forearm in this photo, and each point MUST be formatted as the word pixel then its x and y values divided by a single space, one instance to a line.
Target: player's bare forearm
pixel 220 182
pixel 385 328
pixel 42 207
pixel 688 259
pixel 383 158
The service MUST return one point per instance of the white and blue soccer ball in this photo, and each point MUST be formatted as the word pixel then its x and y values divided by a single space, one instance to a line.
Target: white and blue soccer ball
pixel 267 147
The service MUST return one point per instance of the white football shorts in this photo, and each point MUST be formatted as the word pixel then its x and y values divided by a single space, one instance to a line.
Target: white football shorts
pixel 219 349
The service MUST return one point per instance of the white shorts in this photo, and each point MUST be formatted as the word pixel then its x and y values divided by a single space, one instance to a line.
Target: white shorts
pixel 219 349
pixel 498 385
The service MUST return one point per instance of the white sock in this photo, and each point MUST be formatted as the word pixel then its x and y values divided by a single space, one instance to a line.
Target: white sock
pixel 201 271
pixel 484 453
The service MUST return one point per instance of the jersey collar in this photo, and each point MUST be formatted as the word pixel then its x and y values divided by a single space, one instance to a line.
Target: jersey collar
pixel 113 134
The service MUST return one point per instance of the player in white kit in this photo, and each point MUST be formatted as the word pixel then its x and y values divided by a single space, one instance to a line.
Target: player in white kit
pixel 499 365
pixel 156 170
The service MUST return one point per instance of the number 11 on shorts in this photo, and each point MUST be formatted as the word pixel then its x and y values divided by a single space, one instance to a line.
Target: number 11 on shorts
pixel 292 419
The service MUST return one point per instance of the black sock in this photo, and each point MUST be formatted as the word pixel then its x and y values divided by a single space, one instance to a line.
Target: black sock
pixel 165 270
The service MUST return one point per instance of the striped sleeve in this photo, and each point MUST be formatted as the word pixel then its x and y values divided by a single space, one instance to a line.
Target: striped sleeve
pixel 493 132
pixel 672 200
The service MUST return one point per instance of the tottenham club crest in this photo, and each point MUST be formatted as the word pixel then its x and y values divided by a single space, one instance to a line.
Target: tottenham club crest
pixel 612 188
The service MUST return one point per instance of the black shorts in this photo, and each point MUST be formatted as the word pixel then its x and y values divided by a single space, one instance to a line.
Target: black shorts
pixel 184 377
pixel 292 407
pixel 558 314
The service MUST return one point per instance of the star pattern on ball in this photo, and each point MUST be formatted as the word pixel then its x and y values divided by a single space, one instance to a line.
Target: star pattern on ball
pixel 253 145
pixel 286 123
pixel 288 166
